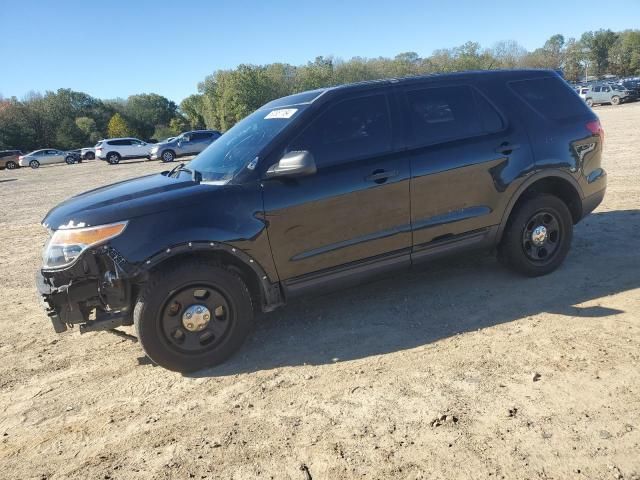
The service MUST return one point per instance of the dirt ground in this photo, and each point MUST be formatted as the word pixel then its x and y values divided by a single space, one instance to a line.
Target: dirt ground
pixel 428 375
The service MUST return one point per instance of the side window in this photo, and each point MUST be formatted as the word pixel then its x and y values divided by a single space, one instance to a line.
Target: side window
pixel 350 129
pixel 491 119
pixel 606 89
pixel 444 113
pixel 596 89
pixel 199 136
pixel 135 142
pixel 551 97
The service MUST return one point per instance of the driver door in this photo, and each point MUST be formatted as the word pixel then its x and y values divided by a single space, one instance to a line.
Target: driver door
pixel 355 209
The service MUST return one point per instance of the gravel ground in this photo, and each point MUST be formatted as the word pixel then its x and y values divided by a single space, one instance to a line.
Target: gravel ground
pixel 459 370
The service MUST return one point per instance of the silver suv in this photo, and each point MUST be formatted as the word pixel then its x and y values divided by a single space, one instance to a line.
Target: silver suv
pixel 188 143
pixel 606 94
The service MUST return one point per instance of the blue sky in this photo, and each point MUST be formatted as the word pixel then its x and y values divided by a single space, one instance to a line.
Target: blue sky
pixel 117 48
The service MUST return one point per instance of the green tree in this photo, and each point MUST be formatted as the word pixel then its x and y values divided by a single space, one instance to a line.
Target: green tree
pixel 598 45
pixel 624 54
pixel 194 109
pixel 118 127
pixel 68 135
pixel 146 110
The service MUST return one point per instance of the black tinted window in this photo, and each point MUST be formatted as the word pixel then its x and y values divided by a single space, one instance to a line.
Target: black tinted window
pixel 119 142
pixel 351 129
pixel 200 135
pixel 443 113
pixel 550 96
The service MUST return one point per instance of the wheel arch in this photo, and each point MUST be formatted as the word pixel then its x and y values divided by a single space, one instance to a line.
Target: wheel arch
pixel 265 291
pixel 558 183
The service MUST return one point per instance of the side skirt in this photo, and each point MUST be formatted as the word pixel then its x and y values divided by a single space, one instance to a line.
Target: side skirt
pixel 371 268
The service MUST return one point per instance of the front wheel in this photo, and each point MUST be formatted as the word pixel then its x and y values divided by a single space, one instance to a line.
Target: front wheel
pixel 193 315
pixel 69 160
pixel 538 236
pixel 34 164
pixel 615 100
pixel 589 102
pixel 168 156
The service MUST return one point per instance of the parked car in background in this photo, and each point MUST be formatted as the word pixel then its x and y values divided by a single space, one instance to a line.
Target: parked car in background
pixel 115 149
pixel 187 143
pixel 10 159
pixel 604 93
pixel 88 153
pixel 73 156
pixel 323 189
pixel 45 156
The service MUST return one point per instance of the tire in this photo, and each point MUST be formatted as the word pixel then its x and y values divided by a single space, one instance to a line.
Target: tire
pixel 34 164
pixel 168 156
pixel 615 100
pixel 113 158
pixel 69 160
pixel 529 249
pixel 589 102
pixel 11 165
pixel 164 305
pixel 89 156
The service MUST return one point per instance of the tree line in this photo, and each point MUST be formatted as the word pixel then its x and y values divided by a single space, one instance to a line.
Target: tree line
pixel 68 119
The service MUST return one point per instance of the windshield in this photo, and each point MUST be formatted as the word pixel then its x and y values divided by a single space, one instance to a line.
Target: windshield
pixel 228 155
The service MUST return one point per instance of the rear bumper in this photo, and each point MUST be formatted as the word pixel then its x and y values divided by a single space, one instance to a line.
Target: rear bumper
pixel 590 203
pixel 593 190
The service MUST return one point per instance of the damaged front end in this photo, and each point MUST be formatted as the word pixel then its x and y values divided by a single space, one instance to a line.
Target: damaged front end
pixel 85 282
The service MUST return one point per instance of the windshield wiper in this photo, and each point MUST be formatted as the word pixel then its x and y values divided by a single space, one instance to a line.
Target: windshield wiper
pixel 196 176
pixel 174 169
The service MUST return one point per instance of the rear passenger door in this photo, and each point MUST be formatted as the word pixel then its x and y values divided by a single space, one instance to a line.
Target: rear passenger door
pixel 463 153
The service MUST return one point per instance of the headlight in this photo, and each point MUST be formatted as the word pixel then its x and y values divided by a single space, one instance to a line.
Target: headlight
pixel 154 149
pixel 66 245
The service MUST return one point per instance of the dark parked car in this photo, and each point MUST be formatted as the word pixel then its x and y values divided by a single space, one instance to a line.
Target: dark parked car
pixel 9 159
pixel 322 189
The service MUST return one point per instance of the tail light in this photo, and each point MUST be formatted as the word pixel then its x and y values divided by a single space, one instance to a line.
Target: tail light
pixel 595 127
pixel 20 157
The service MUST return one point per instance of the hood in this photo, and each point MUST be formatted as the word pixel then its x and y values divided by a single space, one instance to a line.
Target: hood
pixel 126 200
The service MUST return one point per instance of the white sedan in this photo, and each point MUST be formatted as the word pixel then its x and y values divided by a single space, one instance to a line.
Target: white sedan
pixel 44 157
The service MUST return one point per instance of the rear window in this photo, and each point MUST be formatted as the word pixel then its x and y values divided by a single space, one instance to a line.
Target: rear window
pixel 98 145
pixel 551 97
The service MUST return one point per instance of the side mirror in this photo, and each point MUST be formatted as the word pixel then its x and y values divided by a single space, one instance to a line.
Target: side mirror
pixel 293 164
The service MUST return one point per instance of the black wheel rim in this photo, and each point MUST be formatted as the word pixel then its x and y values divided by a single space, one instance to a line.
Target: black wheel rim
pixel 182 332
pixel 541 237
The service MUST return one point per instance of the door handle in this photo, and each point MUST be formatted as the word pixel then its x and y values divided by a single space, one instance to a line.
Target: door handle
pixel 506 148
pixel 381 176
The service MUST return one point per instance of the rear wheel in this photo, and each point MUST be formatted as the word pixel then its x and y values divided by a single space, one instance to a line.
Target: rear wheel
pixel 192 316
pixel 34 164
pixel 538 236
pixel 168 156
pixel 113 158
pixel 11 165
pixel 615 100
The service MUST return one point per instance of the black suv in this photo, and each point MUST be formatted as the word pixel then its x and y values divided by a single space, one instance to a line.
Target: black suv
pixel 325 188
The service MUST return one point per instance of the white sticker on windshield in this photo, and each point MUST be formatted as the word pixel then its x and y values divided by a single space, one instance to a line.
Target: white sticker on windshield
pixel 282 113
